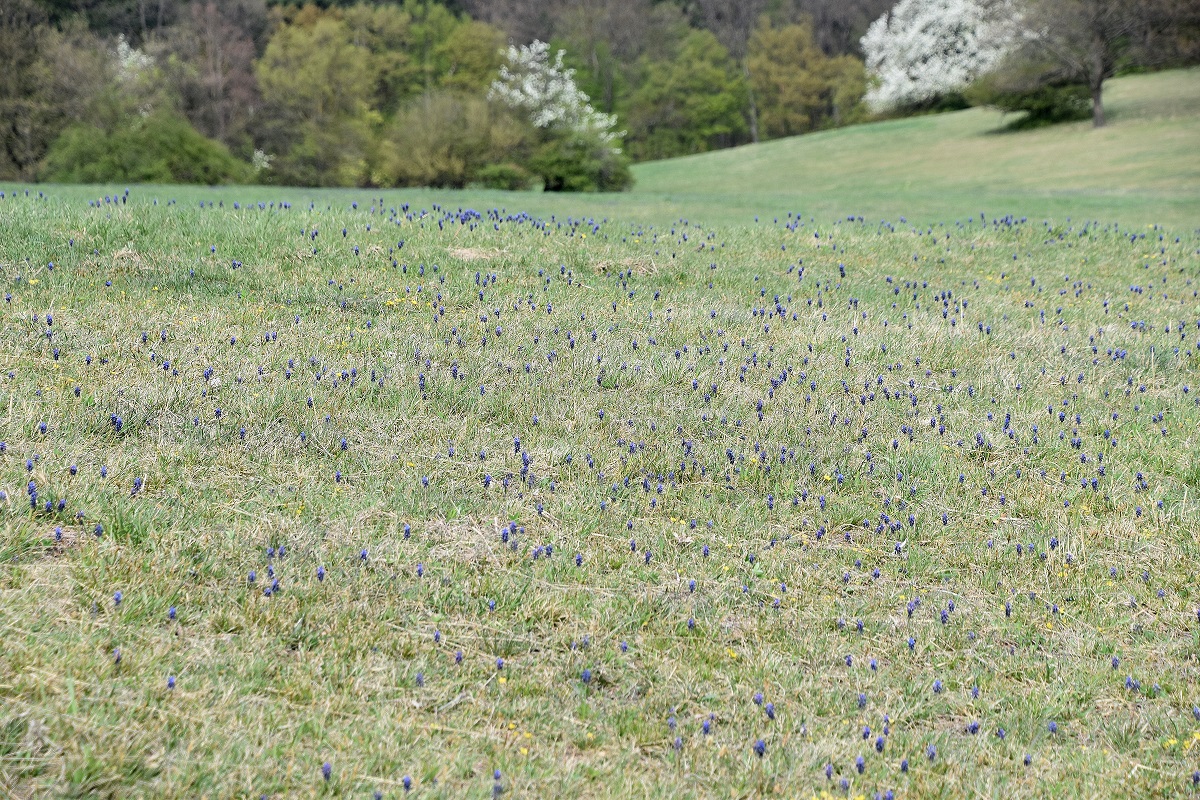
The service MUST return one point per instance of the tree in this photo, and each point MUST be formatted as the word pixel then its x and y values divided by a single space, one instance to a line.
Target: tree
pixel 838 25
pixel 22 24
pixel 925 49
pixel 316 86
pixel 797 87
pixel 49 79
pixel 732 24
pixel 579 147
pixel 605 38
pixel 1085 41
pixel 691 102
pixel 451 140
pixel 210 61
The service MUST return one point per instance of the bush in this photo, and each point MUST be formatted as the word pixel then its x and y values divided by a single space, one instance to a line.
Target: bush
pixel 448 140
pixel 1044 105
pixel 571 162
pixel 159 148
pixel 504 176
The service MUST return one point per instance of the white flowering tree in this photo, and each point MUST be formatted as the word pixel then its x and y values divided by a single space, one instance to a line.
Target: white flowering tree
pixel 925 49
pixel 580 146
pixel 547 92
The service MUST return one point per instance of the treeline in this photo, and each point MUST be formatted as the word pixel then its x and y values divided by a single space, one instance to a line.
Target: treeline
pixel 413 93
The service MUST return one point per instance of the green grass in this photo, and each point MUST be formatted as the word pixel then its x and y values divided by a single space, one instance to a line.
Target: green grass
pixel 1143 168
pixel 269 687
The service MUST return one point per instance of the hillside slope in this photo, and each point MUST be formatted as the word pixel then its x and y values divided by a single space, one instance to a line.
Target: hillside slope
pixel 1143 168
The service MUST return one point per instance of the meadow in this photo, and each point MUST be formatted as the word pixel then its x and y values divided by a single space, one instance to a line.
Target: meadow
pixel 354 493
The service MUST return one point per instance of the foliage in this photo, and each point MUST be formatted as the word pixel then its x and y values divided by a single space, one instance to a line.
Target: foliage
pixel 568 161
pixel 797 88
pixel 691 101
pixel 316 85
pixel 421 47
pixel 923 49
pixel 505 176
pixel 1037 102
pixel 547 93
pixel 449 139
pixel 160 148
pixel 578 148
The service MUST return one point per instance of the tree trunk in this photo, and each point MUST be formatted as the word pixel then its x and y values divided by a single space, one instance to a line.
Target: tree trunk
pixel 1098 120
pixel 1096 80
pixel 753 109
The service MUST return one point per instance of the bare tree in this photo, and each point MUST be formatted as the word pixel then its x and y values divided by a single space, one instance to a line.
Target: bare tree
pixel 21 23
pixel 211 58
pixel 838 25
pixel 522 20
pixel 611 35
pixel 1086 40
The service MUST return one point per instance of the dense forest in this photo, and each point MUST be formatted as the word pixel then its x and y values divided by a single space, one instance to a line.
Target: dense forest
pixel 562 94
pixel 401 93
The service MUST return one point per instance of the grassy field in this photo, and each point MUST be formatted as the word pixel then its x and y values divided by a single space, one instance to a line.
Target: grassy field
pixel 1143 168
pixel 351 492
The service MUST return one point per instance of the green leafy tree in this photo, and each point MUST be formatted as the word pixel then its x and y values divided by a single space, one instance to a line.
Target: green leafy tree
pixel 453 140
pixel 691 102
pixel 468 58
pixel 797 87
pixel 316 85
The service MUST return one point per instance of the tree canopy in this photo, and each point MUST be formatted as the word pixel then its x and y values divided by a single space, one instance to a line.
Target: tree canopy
pixel 433 92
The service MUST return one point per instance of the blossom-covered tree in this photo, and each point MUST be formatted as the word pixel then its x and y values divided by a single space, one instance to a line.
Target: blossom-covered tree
pixel 579 147
pixel 547 92
pixel 924 49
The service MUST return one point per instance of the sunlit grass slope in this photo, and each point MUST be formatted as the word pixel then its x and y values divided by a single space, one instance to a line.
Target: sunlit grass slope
pixel 1143 168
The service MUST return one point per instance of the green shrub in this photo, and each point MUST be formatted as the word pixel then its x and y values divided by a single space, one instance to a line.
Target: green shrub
pixel 1025 90
pixel 1046 105
pixel 568 162
pixel 159 148
pixel 450 140
pixel 504 176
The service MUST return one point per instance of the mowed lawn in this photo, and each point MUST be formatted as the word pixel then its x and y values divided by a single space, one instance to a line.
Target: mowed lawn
pixel 337 493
